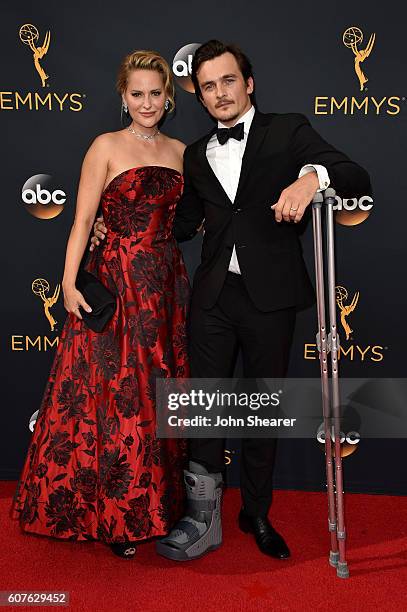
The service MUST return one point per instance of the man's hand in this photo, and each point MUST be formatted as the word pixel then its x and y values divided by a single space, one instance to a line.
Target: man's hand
pixel 99 233
pixel 295 198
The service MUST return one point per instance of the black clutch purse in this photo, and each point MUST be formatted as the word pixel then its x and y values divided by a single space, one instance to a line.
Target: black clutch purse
pixel 100 299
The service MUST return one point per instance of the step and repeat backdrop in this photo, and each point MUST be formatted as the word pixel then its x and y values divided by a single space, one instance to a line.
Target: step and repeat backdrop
pixel 342 64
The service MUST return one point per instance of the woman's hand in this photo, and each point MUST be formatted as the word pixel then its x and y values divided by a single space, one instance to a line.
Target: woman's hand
pixel 73 299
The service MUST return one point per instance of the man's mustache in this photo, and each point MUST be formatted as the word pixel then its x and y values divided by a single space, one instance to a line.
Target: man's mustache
pixel 222 103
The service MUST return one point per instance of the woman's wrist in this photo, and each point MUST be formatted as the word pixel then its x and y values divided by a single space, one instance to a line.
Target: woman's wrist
pixel 68 284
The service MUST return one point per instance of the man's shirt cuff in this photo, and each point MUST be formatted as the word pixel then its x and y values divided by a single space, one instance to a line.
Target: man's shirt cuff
pixel 322 174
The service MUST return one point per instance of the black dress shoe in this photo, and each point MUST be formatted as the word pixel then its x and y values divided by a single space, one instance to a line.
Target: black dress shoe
pixel 126 550
pixel 268 540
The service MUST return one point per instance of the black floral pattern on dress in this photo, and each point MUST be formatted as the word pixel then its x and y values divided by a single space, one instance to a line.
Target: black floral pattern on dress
pixel 152 451
pixel 60 448
pixel 180 342
pixel 71 401
pixel 85 482
pixel 122 218
pixel 107 355
pixel 81 368
pixel 115 473
pixel 144 328
pixel 30 510
pixel 116 270
pixel 127 397
pixel 89 438
pixel 138 519
pixel 159 181
pixel 148 273
pixel 64 512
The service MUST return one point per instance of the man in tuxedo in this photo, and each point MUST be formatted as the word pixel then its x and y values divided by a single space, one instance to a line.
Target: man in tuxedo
pixel 250 181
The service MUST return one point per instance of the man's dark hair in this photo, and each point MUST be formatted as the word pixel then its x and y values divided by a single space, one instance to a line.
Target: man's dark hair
pixel 215 48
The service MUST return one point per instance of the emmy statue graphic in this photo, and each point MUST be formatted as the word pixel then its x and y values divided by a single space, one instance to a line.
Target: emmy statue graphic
pixel 29 36
pixel 341 296
pixel 351 37
pixel 40 287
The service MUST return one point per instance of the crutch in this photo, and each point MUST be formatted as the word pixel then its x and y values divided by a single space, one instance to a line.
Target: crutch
pixel 329 343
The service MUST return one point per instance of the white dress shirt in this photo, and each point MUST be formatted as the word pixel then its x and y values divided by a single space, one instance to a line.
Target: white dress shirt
pixel 226 163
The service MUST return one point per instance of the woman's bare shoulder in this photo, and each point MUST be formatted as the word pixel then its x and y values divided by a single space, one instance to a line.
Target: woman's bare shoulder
pixel 107 140
pixel 103 147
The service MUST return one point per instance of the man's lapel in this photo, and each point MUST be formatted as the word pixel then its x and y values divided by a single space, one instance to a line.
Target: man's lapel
pixel 257 133
pixel 213 182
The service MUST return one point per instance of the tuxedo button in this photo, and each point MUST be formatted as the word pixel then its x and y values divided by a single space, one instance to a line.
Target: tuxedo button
pixel 237 210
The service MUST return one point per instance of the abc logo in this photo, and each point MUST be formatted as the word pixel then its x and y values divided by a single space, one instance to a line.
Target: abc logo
pixel 348 442
pixel 352 211
pixel 41 198
pixel 182 66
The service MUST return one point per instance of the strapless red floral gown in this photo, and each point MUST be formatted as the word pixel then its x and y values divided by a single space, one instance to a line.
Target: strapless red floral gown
pixel 95 469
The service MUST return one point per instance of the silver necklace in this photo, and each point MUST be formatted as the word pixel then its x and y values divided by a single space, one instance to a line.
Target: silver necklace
pixel 148 137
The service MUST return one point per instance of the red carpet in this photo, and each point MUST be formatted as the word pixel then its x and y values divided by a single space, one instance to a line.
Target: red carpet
pixel 236 577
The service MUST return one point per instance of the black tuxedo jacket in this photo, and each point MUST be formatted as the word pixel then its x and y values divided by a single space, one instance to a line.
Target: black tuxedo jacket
pixel 269 253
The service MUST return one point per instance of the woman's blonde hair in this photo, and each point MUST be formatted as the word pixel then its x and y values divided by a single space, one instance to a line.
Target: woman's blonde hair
pixel 147 60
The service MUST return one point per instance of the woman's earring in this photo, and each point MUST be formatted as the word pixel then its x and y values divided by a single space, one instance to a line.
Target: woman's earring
pixel 167 105
pixel 124 109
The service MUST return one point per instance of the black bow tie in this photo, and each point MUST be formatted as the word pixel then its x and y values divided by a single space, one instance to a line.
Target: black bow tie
pixel 236 132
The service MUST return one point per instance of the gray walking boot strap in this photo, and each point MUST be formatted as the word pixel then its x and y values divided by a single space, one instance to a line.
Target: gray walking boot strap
pixel 201 499
pixel 189 529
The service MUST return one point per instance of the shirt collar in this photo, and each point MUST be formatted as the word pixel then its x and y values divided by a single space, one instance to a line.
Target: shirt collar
pixel 247 119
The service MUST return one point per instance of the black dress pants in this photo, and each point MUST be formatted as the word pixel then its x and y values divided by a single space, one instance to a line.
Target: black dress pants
pixel 265 338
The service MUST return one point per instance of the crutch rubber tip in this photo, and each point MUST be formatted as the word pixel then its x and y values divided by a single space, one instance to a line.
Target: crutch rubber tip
pixel 333 558
pixel 342 571
pixel 329 193
pixel 318 199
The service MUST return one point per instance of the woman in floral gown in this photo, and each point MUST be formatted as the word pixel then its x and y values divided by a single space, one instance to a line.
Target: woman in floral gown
pixel 95 469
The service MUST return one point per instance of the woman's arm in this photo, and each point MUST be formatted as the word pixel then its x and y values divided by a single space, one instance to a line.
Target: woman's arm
pixel 93 177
